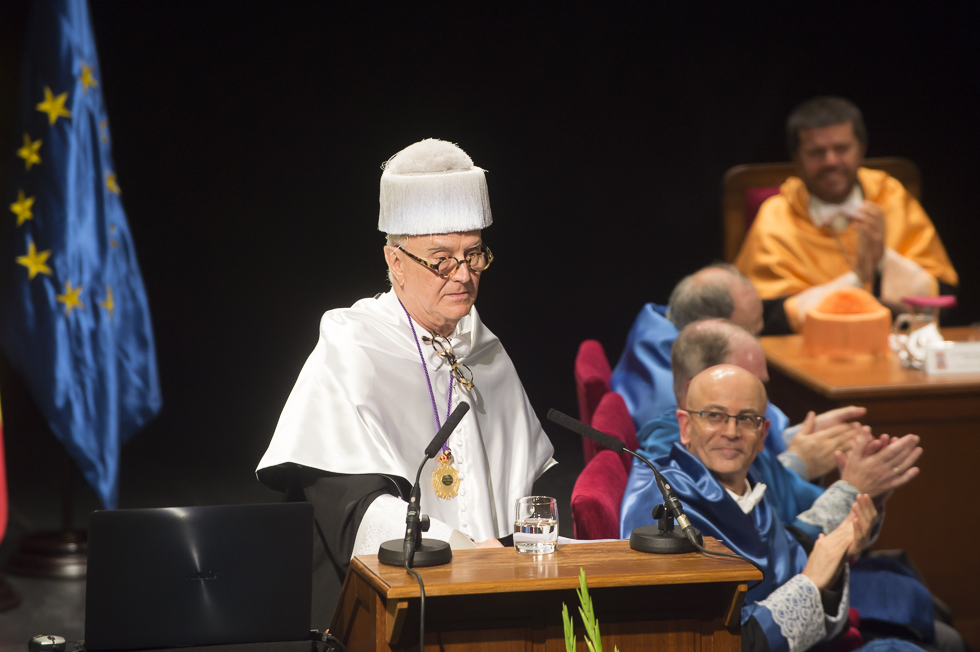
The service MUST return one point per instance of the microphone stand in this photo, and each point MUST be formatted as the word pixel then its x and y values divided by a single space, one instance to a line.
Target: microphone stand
pixel 413 550
pixel 661 539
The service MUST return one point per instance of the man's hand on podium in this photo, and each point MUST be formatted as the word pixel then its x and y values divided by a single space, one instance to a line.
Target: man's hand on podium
pixel 490 543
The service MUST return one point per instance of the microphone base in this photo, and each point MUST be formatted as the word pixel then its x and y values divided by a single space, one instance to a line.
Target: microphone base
pixel 432 552
pixel 649 538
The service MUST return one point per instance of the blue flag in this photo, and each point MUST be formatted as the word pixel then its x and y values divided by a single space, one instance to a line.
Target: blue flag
pixel 74 318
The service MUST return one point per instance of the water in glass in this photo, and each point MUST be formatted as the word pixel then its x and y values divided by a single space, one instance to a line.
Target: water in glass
pixel 536 527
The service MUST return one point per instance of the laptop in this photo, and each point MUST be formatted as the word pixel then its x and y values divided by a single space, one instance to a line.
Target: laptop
pixel 180 576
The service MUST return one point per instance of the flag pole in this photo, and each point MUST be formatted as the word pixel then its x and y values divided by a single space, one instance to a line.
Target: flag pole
pixel 60 554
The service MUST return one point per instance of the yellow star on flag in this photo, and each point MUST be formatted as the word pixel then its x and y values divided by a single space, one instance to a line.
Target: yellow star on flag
pixel 54 106
pixel 88 81
pixel 103 134
pixel 29 152
pixel 35 261
pixel 109 304
pixel 22 207
pixel 70 298
pixel 110 183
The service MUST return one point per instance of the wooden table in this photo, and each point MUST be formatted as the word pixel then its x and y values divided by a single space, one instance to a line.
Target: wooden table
pixel 933 517
pixel 498 599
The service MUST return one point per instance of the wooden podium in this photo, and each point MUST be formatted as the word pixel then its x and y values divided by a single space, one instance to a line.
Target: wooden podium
pixel 499 599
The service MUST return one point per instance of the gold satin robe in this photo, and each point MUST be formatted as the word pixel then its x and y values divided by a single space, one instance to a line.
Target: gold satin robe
pixel 784 253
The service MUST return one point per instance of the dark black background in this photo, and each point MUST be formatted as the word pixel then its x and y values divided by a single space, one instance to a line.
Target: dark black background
pixel 248 139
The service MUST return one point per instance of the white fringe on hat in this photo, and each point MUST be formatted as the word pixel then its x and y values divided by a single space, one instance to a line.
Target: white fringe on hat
pixel 433 187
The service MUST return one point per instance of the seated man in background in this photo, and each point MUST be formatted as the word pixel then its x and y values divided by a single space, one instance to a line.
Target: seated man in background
pixel 838 225
pixel 802 600
pixel 643 375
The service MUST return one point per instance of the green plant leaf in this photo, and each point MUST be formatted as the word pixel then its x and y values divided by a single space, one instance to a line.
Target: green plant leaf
pixel 570 638
pixel 587 612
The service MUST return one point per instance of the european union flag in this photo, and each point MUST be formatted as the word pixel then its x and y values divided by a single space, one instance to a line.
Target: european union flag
pixel 74 318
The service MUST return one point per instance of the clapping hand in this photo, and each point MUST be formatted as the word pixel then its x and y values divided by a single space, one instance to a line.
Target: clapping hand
pixel 863 514
pixel 879 466
pixel 816 446
pixel 848 539
pixel 839 416
pixel 869 220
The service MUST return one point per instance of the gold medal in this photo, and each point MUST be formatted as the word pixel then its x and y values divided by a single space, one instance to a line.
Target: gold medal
pixel 445 479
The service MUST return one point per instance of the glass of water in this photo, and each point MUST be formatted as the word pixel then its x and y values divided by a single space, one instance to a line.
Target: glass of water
pixel 536 527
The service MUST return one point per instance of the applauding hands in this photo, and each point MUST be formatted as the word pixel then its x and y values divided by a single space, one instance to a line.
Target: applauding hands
pixel 830 552
pixel 821 435
pixel 879 466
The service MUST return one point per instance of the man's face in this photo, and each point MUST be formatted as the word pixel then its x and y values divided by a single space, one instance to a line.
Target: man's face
pixel 437 303
pixel 729 449
pixel 828 159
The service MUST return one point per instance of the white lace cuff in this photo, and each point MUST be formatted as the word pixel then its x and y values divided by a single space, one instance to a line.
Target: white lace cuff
pixel 385 520
pixel 798 612
pixel 832 506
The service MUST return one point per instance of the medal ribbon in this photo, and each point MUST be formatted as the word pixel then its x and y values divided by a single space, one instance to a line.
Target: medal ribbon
pixel 432 396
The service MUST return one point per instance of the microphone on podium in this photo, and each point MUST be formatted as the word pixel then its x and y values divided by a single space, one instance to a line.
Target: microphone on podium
pixel 413 550
pixel 661 538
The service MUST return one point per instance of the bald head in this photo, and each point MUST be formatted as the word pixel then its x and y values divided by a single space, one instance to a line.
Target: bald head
pixel 739 385
pixel 716 291
pixel 724 425
pixel 709 343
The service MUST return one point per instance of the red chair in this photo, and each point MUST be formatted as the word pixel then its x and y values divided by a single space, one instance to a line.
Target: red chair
pixel 597 495
pixel 599 489
pixel 613 418
pixel 592 373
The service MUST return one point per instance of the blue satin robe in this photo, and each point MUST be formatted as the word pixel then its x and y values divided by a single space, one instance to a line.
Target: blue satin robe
pixel 644 378
pixel 788 493
pixel 759 535
pixel 880 588
pixel 643 375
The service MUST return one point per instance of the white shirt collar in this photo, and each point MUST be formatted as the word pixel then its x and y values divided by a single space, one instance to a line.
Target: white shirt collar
pixel 750 497
pixel 835 216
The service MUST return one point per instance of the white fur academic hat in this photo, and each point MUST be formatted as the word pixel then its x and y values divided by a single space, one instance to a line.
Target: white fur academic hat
pixel 433 187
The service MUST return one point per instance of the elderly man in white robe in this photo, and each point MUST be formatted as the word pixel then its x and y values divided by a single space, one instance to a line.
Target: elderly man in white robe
pixel 387 372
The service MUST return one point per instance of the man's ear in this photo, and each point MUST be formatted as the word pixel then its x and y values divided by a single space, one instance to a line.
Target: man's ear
pixel 762 438
pixel 395 265
pixel 684 421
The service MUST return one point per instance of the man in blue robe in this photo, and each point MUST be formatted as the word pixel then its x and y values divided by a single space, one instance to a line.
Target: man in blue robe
pixel 713 342
pixel 718 470
pixel 643 374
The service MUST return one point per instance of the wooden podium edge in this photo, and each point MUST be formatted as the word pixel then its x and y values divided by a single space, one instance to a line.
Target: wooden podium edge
pixel 410 589
pixel 734 616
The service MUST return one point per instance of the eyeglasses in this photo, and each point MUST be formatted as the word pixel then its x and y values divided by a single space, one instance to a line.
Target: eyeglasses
pixel 446 267
pixel 744 422
pixel 442 345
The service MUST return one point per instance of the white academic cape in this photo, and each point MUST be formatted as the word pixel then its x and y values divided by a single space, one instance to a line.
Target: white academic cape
pixel 361 405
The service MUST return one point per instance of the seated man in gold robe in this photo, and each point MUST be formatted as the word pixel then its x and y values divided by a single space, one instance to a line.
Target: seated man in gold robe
pixel 838 225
